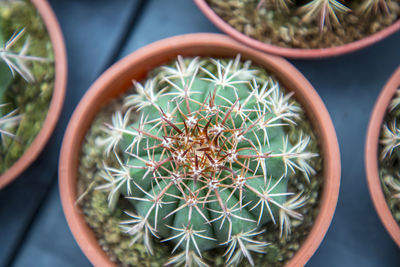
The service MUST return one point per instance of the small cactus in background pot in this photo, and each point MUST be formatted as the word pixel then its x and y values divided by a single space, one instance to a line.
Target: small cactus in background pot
pixel 304 25
pixel 27 83
pixel 390 154
pixel 12 63
pixel 208 160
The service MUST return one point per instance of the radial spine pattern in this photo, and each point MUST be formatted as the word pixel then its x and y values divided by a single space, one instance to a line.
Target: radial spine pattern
pixel 208 161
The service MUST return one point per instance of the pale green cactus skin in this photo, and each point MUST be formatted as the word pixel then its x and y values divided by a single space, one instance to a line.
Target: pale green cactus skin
pixel 207 163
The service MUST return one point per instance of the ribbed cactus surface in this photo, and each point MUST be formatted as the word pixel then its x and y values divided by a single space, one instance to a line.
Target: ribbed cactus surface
pixel 208 161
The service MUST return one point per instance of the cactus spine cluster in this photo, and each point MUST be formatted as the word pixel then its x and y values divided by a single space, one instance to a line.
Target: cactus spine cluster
pixel 390 141
pixel 208 161
pixel 325 11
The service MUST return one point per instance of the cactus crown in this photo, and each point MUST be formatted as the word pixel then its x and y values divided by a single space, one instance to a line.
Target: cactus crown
pixel 207 162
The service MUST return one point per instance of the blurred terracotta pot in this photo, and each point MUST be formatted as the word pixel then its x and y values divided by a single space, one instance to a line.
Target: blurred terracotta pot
pixel 118 79
pixel 371 156
pixel 57 100
pixel 294 52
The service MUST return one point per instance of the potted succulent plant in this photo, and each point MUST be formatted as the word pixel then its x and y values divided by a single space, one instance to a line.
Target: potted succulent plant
pixel 33 80
pixel 208 158
pixel 304 29
pixel 382 156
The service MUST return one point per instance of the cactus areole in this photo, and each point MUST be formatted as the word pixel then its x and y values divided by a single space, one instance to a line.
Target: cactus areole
pixel 207 163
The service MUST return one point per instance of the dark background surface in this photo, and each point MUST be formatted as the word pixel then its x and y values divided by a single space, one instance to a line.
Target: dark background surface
pixel 33 230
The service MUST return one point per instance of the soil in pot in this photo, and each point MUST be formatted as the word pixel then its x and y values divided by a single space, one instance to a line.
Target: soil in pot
pixel 105 222
pixel 26 97
pixel 389 157
pixel 272 23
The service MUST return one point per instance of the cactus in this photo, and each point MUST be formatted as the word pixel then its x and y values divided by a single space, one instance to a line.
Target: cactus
pixel 208 161
pixel 390 152
pixel 323 11
pixel 11 64
pixel 374 7
pixel 26 78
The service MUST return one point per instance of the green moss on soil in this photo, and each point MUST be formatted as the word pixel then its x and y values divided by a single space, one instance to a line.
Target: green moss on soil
pixel 105 223
pixel 278 27
pixel 30 99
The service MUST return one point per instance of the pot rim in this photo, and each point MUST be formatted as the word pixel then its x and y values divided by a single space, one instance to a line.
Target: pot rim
pixel 295 53
pixel 57 100
pixel 371 156
pixel 162 52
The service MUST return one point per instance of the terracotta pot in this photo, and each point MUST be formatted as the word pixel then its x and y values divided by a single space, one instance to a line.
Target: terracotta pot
pixel 118 78
pixel 57 100
pixel 294 52
pixel 371 156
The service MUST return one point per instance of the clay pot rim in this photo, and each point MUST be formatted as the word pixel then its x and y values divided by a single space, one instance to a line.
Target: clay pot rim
pixel 166 50
pixel 371 156
pixel 295 53
pixel 57 100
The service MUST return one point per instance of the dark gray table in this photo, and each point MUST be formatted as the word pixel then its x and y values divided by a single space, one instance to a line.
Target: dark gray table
pixel 33 230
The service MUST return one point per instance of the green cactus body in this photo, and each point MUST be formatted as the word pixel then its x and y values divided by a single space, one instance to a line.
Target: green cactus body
pixel 26 78
pixel 5 75
pixel 208 161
